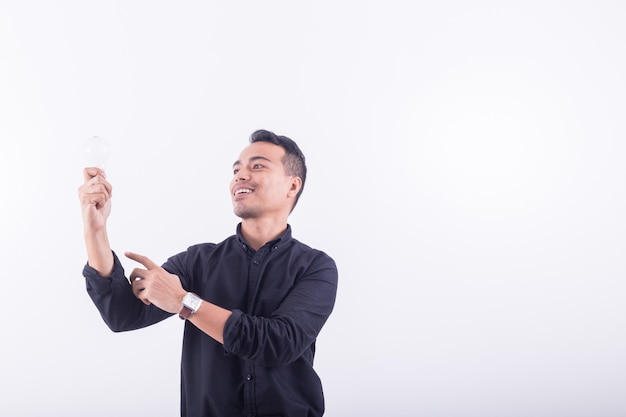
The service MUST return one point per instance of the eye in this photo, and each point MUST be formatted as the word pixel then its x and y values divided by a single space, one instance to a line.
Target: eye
pixel 235 171
pixel 257 166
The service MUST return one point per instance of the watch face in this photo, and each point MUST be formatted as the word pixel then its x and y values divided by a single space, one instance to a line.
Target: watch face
pixel 192 301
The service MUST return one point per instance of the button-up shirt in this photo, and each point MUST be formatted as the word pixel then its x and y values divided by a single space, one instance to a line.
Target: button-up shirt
pixel 280 297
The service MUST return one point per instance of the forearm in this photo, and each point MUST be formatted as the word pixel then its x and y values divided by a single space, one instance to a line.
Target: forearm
pixel 99 253
pixel 211 319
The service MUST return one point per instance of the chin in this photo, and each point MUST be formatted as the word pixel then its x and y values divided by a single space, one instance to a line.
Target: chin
pixel 245 213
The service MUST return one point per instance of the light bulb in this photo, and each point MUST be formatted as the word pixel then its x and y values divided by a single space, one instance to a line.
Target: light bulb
pixel 97 152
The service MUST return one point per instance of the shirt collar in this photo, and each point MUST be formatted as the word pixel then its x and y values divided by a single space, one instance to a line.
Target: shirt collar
pixel 285 237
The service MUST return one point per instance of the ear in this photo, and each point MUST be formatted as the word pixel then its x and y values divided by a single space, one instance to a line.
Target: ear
pixel 295 186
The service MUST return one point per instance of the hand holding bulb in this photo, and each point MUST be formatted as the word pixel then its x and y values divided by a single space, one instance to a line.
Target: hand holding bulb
pixel 95 199
pixel 96 191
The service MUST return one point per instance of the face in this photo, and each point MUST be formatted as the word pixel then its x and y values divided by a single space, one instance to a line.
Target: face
pixel 260 187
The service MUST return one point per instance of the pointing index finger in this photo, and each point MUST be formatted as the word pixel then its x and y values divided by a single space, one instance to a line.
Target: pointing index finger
pixel 144 260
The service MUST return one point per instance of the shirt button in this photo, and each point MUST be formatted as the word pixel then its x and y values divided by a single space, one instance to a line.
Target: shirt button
pixel 256 262
pixel 249 377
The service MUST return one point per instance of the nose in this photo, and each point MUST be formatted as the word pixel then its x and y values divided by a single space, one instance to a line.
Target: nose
pixel 241 175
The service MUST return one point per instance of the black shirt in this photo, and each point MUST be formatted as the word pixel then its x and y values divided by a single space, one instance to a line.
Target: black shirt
pixel 280 297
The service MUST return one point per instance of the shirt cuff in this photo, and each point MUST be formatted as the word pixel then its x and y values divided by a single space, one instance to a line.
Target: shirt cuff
pixel 102 285
pixel 232 340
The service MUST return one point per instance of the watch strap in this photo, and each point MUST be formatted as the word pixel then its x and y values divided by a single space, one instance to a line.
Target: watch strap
pixel 187 311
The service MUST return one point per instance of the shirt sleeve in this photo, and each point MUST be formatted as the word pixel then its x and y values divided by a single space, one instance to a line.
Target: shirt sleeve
pixel 293 327
pixel 115 301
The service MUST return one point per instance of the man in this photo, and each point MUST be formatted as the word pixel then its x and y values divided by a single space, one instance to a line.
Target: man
pixel 253 304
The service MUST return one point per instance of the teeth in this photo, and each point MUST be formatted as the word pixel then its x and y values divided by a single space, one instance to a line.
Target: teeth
pixel 242 190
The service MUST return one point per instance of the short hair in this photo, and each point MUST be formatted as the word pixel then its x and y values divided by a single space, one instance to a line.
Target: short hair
pixel 293 161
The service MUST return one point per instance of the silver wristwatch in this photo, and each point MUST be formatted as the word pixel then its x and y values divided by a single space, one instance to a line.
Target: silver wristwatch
pixel 191 304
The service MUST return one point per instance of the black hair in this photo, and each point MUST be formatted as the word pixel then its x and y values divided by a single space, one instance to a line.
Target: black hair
pixel 293 161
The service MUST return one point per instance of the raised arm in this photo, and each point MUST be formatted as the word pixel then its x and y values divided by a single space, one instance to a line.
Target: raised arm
pixel 95 200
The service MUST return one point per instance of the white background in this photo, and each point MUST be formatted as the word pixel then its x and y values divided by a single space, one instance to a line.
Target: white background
pixel 466 168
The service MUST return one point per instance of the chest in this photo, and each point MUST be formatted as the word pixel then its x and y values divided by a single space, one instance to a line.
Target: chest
pixel 255 283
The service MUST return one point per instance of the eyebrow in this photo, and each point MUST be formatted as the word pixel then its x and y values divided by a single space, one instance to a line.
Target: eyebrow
pixel 252 159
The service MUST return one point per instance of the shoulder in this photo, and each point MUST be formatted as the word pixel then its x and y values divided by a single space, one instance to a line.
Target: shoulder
pixel 312 256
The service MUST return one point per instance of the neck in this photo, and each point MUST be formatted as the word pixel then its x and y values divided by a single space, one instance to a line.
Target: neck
pixel 257 232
